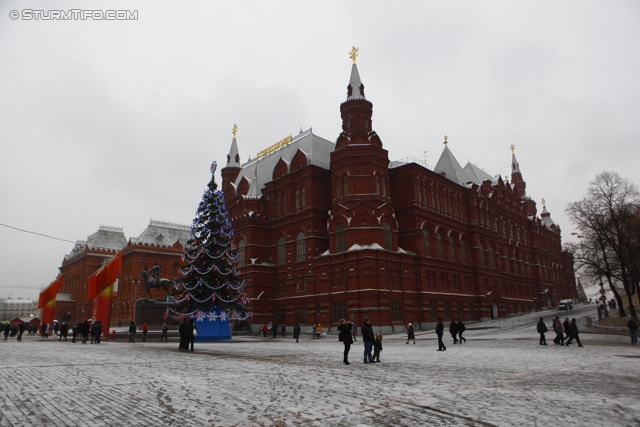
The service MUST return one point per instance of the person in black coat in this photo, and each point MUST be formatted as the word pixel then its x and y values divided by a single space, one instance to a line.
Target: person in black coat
pixel 183 329
pixel 368 338
pixel 453 330
pixel 542 329
pixel 43 331
pixel 20 331
pixel 7 329
pixel 439 333
pixel 411 334
pixel 574 332
pixel 567 330
pixel 296 332
pixel 97 331
pixel 461 329
pixel 84 330
pixel 275 329
pixel 345 334
pixel 132 332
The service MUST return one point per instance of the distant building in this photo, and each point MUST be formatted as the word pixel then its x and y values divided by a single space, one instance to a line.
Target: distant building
pixel 335 230
pixel 19 307
pixel 160 242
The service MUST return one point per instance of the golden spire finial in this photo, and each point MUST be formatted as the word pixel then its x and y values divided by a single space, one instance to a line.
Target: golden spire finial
pixel 513 149
pixel 506 178
pixel 543 202
pixel 354 53
pixel 234 130
pixel 446 140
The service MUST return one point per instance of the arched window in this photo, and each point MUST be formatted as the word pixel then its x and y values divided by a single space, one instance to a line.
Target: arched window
pixel 304 198
pixel 341 238
pixel 463 251
pixel 492 258
pixel 386 236
pixel 297 200
pixel 378 185
pixel 482 263
pixel 440 246
pixel 426 242
pixel 338 190
pixel 452 249
pixel 241 253
pixel 282 251
pixel 300 247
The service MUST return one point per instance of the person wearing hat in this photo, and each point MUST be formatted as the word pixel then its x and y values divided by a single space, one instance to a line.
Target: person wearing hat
pixel 368 338
pixel 410 334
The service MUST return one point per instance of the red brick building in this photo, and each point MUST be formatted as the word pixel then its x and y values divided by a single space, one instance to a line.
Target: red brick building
pixel 335 230
pixel 160 242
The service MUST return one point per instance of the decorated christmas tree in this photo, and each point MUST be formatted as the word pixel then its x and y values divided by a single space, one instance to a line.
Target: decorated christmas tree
pixel 211 288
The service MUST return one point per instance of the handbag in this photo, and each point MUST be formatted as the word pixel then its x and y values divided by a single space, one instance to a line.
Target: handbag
pixel 195 332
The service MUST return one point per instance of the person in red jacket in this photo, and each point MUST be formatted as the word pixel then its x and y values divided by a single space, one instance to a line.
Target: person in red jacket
pixel 144 331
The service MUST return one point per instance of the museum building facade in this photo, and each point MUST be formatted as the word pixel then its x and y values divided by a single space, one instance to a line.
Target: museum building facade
pixel 328 230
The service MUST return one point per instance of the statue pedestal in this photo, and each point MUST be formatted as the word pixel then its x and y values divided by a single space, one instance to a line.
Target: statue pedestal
pixel 151 312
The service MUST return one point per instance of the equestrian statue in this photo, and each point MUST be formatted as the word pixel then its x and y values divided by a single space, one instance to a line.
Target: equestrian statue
pixel 152 280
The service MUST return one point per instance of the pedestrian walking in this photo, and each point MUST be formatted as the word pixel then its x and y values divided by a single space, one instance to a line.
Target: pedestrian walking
pixel 283 330
pixel 368 338
pixel 20 331
pixel 56 328
pixel 183 329
pixel 145 329
pixel 345 332
pixel 265 330
pixel 439 333
pixel 453 330
pixel 274 329
pixel 353 331
pixel 64 330
pixel 566 326
pixel 542 329
pixel 165 331
pixel 632 324
pixel 43 330
pixel 7 329
pixel 411 334
pixel 461 329
pixel 377 348
pixel 132 332
pixel 575 332
pixel 296 332
pixel 557 328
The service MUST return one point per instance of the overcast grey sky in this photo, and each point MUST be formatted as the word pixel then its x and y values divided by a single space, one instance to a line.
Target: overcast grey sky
pixel 116 122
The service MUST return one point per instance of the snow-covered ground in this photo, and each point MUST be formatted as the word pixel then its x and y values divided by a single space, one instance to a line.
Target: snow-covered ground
pixel 500 377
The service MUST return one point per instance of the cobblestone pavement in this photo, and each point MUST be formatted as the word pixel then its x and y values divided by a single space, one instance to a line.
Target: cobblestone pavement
pixel 505 379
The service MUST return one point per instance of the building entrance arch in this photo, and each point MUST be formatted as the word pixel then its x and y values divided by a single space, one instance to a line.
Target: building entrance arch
pixel 494 310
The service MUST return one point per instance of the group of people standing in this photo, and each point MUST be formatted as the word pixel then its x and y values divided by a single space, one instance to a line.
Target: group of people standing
pixel 570 328
pixel 372 342
pixel 456 329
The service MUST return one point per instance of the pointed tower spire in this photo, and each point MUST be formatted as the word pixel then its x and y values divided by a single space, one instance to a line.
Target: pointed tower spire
pixel 230 172
pixel 254 188
pixel 545 217
pixel 516 176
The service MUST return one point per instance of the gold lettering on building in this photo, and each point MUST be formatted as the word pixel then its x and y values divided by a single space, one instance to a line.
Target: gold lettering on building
pixel 278 145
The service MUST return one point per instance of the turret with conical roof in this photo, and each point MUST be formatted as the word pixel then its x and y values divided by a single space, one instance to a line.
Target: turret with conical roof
pixel 232 169
pixel 519 186
pixel 360 175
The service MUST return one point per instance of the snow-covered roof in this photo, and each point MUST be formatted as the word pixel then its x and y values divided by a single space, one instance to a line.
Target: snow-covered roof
pixel 355 84
pixel 107 237
pixel 317 150
pixel 475 174
pixel 163 233
pixel 450 166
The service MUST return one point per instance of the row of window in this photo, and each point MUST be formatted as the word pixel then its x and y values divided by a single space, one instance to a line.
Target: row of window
pixel 341 186
pixel 300 201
